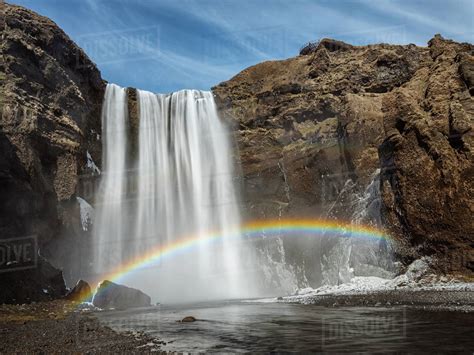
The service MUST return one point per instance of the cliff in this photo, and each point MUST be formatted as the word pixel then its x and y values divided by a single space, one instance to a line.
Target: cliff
pixel 315 129
pixel 50 101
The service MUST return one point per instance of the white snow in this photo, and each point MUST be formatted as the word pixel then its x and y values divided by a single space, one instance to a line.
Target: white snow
pixel 87 307
pixel 87 213
pixel 417 277
pixel 357 285
pixel 91 165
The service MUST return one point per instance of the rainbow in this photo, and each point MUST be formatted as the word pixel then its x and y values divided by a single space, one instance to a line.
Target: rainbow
pixel 259 228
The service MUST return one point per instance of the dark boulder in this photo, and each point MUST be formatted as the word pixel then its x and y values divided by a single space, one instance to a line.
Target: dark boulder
pixel 188 319
pixel 333 45
pixel 41 283
pixel 112 295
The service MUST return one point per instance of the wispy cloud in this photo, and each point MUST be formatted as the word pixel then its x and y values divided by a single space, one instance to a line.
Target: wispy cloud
pixel 203 42
pixel 437 21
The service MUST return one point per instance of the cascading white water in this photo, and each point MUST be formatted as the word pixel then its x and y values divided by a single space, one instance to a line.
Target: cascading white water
pixel 358 257
pixel 184 187
pixel 108 234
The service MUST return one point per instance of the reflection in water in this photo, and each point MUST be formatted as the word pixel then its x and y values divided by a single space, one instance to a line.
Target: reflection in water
pixel 291 327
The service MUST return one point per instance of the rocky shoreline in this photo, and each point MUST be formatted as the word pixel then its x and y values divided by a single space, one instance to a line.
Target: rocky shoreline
pixel 58 327
pixel 447 300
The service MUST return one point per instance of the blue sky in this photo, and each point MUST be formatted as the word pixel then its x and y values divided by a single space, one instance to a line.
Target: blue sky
pixel 168 45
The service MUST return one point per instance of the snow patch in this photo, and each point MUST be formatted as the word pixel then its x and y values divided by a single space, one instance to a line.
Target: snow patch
pixel 358 284
pixel 91 165
pixel 417 277
pixel 88 307
pixel 87 213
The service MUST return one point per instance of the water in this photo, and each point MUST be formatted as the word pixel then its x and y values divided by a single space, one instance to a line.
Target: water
pixel 108 234
pixel 348 257
pixel 275 327
pixel 181 185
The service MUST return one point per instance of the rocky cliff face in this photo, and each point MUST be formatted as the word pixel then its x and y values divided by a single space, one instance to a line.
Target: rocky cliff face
pixel 427 159
pixel 50 105
pixel 314 130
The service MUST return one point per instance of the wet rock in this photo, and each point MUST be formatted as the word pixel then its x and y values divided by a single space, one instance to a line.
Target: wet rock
pixel 112 295
pixel 80 292
pixel 188 319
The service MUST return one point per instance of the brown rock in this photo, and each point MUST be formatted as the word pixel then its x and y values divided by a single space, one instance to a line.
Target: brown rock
pixel 51 96
pixel 333 45
pixel 466 69
pixel 427 162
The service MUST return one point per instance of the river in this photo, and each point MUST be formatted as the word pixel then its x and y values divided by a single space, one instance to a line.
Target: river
pixel 236 326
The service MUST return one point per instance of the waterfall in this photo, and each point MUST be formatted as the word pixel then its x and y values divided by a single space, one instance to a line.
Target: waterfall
pixel 170 176
pixel 110 207
pixel 358 257
pixel 183 187
pixel 370 258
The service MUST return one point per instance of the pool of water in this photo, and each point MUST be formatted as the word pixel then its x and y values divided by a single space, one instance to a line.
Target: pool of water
pixel 264 327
